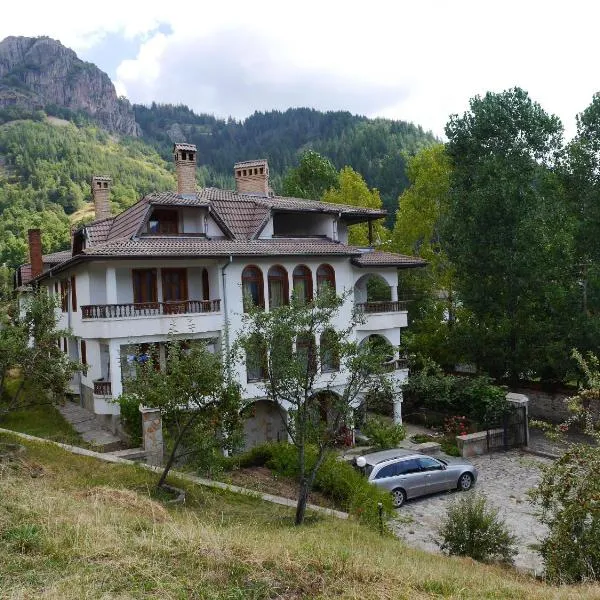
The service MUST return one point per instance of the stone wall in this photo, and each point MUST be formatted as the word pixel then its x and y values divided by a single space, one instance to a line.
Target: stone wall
pixel 547 405
pixel 87 397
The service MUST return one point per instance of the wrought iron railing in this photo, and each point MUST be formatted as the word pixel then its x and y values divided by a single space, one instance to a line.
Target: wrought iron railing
pixel 149 309
pixel 384 307
pixel 102 388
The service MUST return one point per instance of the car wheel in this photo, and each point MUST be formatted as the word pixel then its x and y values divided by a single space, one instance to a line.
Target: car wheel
pixel 398 497
pixel 465 482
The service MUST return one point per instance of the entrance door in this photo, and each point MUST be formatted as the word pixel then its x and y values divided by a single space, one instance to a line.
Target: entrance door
pixel 175 292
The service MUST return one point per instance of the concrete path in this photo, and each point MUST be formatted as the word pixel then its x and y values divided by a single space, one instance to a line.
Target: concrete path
pixel 89 428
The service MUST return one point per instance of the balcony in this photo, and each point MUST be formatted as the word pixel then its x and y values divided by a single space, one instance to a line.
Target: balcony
pixel 391 306
pixel 149 309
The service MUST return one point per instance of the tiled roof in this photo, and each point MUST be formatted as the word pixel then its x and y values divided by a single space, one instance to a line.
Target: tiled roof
pixel 164 247
pixel 387 259
pixel 129 221
pixel 175 199
pixel 56 257
pixel 242 217
pixel 97 231
pixel 184 146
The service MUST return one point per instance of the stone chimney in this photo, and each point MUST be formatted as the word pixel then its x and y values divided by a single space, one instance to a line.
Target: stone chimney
pixel 185 167
pixel 252 177
pixel 35 252
pixel 101 195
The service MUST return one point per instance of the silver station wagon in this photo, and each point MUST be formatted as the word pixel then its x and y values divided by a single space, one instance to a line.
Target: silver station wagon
pixel 407 474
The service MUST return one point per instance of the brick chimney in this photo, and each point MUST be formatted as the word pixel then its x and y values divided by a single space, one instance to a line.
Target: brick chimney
pixel 101 195
pixel 35 252
pixel 252 177
pixel 185 167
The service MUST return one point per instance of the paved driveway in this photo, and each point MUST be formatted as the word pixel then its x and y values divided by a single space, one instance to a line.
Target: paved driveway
pixel 504 479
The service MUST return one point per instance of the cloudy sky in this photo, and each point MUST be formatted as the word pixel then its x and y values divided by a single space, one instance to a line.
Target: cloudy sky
pixel 417 60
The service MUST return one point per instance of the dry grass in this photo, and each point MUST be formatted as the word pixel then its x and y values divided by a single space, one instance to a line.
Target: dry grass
pixel 85 529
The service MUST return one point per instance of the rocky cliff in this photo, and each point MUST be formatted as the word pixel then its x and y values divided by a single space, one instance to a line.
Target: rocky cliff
pixel 37 72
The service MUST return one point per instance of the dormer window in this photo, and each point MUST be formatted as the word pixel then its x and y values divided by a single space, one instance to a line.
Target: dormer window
pixel 163 222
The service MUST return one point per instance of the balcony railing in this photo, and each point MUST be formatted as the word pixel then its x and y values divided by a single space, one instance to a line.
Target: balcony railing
pixel 149 309
pixel 383 307
pixel 102 388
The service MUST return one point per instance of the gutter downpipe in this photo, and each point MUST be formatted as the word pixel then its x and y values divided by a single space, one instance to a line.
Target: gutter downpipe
pixel 225 314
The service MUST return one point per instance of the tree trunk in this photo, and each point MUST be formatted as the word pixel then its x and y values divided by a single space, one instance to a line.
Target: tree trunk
pixel 306 484
pixel 173 454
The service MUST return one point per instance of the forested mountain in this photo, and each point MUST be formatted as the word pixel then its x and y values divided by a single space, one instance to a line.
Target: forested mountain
pixel 376 148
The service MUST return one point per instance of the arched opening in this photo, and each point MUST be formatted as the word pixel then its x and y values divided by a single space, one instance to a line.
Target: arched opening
pixel 278 286
pixel 252 287
pixel 372 288
pixel 325 278
pixel 306 352
pixel 329 351
pixel 264 422
pixel 256 359
pixel 382 345
pixel 332 417
pixel 303 288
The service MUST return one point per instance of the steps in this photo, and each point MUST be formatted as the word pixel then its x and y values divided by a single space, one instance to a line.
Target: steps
pixel 89 428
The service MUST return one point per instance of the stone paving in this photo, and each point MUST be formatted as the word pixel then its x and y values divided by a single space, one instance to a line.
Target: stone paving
pixel 87 426
pixel 504 479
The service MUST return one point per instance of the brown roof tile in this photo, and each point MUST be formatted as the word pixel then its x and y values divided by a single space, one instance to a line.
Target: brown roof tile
pixel 129 221
pixel 97 231
pixel 387 259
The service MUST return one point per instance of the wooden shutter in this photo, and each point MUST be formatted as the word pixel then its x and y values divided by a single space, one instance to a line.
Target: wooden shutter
pixel 205 285
pixel 73 294
pixel 83 353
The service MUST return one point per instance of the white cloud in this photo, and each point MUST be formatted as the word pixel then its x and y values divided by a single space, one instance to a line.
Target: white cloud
pixel 418 60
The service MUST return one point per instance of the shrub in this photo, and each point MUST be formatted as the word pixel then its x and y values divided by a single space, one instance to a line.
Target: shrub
pixel 383 435
pixel 449 447
pixel 471 528
pixel 131 418
pixel 336 479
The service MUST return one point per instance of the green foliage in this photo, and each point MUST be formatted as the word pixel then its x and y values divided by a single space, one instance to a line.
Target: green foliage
pixel 513 260
pixel 131 418
pixel 477 397
pixel 383 434
pixel 311 178
pixel 336 479
pixel 45 174
pixel 352 189
pixel 471 528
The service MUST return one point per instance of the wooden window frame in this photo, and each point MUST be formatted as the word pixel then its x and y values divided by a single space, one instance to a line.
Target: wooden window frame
pixel 137 278
pixel 325 275
pixel 73 294
pixel 167 222
pixel 205 284
pixel 256 277
pixel 279 277
pixel 334 364
pixel 64 295
pixel 305 276
pixel 83 352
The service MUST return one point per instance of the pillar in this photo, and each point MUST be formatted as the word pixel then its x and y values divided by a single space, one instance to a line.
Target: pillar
pixel 152 435
pixel 394 291
pixel 398 407
pixel 111 285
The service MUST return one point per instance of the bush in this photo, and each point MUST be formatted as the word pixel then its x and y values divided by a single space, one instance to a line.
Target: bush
pixel 131 418
pixel 471 528
pixel 383 435
pixel 336 479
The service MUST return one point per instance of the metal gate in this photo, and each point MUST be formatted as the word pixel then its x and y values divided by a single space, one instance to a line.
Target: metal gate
pixel 510 431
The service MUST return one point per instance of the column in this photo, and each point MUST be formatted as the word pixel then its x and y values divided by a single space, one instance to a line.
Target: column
pixel 114 368
pixel 394 291
pixel 152 435
pixel 111 285
pixel 398 407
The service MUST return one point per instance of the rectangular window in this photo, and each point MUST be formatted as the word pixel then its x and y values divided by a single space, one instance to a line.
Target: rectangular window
pixel 83 353
pixel 163 222
pixel 144 286
pixel 73 294
pixel 65 345
pixel 174 283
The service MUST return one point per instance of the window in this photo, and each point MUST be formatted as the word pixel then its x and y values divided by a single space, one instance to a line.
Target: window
pixel 303 284
pixel 73 294
pixel 64 295
pixel 325 277
pixel 205 285
pixel 406 467
pixel 83 352
pixel 330 357
pixel 278 287
pixel 56 288
pixel 387 471
pixel 163 222
pixel 253 287
pixel 306 353
pixel 430 464
pixel 144 286
pixel 65 345
pixel 174 284
pixel 256 360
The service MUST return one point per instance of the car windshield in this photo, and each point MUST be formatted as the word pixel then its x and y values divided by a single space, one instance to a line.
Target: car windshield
pixel 442 461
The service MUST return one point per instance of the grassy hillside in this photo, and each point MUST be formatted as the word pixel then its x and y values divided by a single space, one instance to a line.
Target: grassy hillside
pixel 72 527
pixel 45 171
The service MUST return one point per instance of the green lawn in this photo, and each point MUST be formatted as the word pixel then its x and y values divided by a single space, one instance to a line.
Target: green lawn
pixel 42 421
pixel 73 527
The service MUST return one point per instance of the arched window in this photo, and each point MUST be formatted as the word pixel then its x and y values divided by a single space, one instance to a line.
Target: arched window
pixel 330 355
pixel 325 277
pixel 303 283
pixel 306 353
pixel 278 286
pixel 205 285
pixel 252 287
